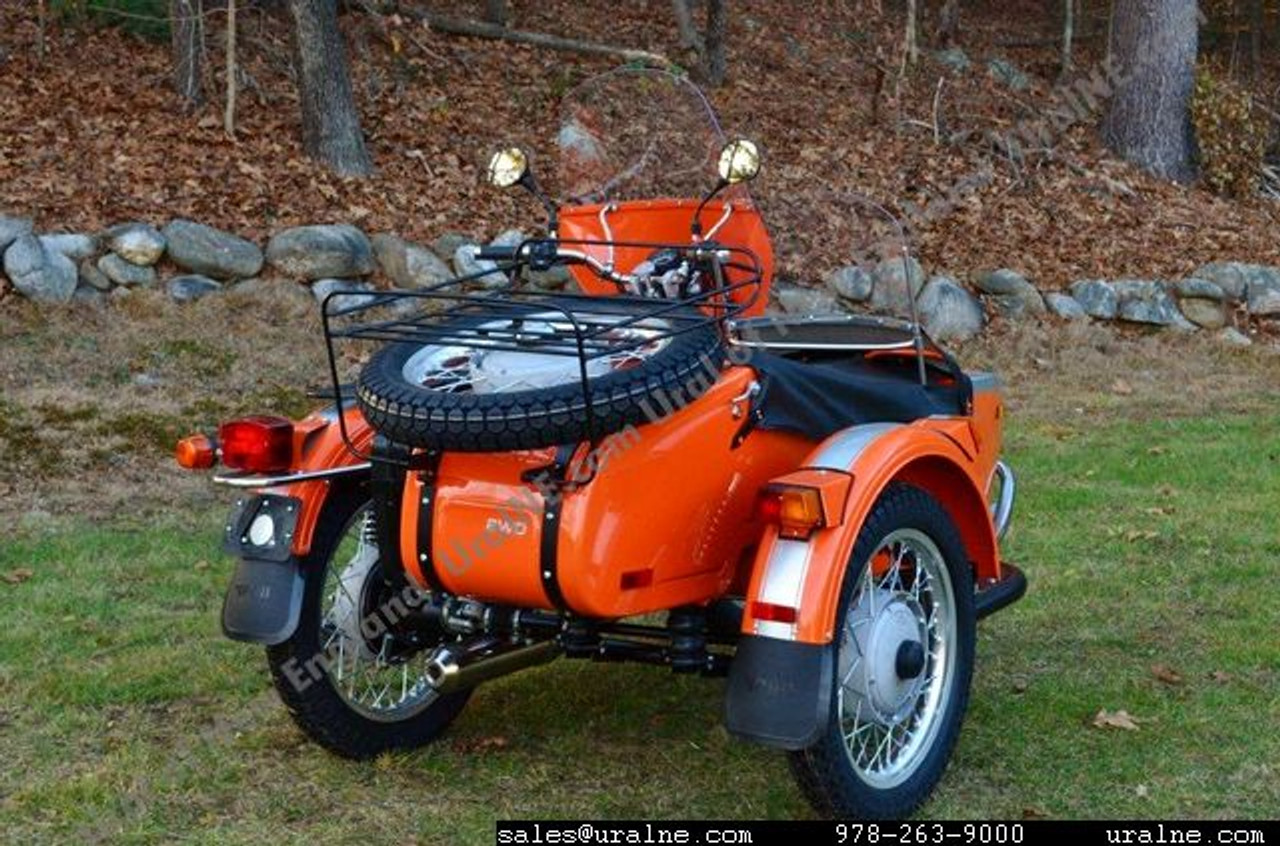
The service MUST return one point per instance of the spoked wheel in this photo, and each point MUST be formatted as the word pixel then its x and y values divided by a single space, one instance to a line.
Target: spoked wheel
pixel 517 382
pixel 348 684
pixel 904 661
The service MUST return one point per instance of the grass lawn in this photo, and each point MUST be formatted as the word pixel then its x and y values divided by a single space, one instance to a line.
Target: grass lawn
pixel 1146 523
pixel 1151 549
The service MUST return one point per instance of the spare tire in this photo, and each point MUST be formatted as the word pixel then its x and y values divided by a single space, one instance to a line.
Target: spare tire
pixel 468 397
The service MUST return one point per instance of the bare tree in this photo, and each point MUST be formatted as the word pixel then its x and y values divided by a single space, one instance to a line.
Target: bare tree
pixel 1068 34
pixel 229 115
pixel 1149 121
pixel 186 27
pixel 948 23
pixel 42 23
pixel 717 37
pixel 911 41
pixel 710 49
pixel 1257 21
pixel 330 123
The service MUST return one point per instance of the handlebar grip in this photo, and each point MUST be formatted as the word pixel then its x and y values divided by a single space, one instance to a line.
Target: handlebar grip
pixel 498 253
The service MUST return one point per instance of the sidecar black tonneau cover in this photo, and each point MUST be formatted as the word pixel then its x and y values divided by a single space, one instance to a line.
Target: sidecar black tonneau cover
pixel 816 394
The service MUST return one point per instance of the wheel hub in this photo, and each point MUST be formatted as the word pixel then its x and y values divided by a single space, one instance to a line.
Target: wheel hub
pixel 910 661
pixel 355 599
pixel 885 665
pixel 535 352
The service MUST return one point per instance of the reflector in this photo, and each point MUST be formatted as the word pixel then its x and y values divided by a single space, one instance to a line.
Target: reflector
pixel 771 613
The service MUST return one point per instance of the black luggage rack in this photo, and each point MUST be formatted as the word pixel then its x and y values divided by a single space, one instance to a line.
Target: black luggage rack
pixel 582 326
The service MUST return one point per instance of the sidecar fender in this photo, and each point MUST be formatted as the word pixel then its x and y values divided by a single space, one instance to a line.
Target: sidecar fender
pixel 779 691
pixel 939 455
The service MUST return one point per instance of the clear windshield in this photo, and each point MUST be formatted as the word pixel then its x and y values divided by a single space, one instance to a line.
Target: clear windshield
pixel 636 134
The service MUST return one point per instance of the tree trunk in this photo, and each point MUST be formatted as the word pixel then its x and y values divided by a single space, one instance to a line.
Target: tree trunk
pixel 689 37
pixel 229 115
pixel 911 40
pixel 1068 34
pixel 1149 122
pixel 1111 34
pixel 1257 21
pixel 187 42
pixel 948 23
pixel 717 31
pixel 495 12
pixel 42 19
pixel 330 122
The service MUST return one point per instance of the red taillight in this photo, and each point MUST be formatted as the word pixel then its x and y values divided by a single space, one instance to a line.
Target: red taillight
pixel 261 444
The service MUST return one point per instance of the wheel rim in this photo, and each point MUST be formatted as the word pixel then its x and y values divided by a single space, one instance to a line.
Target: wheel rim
pixel 359 663
pixel 896 659
pixel 481 369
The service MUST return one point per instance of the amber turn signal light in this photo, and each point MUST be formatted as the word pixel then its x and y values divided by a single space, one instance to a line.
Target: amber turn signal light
pixel 796 510
pixel 197 452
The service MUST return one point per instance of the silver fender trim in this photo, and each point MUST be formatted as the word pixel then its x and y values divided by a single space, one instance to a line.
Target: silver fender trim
pixel 254 480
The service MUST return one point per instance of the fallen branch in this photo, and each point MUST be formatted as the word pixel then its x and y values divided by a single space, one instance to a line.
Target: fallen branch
pixel 1115 186
pixel 387 38
pixel 1270 185
pixel 479 29
pixel 1047 41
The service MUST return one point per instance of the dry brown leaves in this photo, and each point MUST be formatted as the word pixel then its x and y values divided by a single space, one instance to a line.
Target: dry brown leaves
pixel 18 576
pixel 94 136
pixel 1122 720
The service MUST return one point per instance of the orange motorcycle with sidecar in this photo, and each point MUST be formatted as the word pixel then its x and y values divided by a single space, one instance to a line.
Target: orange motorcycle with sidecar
pixel 647 469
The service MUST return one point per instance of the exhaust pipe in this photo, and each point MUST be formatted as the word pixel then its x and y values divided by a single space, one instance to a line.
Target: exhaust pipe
pixel 454 668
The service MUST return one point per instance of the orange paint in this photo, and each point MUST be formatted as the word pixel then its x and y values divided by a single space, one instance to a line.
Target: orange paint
pixel 652 484
pixel 668 221
pixel 937 454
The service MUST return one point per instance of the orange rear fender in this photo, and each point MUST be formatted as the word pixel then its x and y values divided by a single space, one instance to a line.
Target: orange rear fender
pixel 319 446
pixel 939 455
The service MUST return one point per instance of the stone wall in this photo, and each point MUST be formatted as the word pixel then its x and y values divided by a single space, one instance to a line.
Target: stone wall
pixel 1218 297
pixel 191 260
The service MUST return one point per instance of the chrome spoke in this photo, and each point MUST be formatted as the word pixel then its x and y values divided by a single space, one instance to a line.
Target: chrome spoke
pixel 895 719
pixel 361 670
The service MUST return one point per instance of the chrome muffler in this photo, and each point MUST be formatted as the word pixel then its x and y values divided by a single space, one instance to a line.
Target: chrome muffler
pixel 458 667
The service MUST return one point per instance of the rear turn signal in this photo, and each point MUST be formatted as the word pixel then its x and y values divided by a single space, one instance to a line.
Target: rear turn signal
pixel 196 452
pixel 261 444
pixel 796 510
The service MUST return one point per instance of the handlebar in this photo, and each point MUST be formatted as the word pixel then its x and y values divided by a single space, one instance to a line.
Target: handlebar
pixel 498 253
pixel 538 252
pixel 547 253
